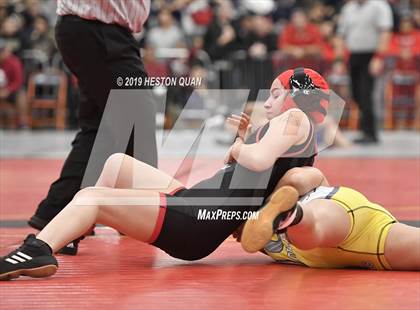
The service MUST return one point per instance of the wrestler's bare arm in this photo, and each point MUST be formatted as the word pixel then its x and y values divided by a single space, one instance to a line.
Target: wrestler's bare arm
pixel 304 179
pixel 286 130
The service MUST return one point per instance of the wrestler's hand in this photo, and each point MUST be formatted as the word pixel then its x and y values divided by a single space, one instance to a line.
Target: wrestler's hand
pixel 238 233
pixel 242 122
pixel 228 157
pixel 236 148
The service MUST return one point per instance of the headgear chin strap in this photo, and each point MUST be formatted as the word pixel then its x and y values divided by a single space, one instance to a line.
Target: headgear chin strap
pixel 308 92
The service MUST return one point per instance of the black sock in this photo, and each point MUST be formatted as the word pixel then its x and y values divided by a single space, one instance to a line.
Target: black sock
pixel 283 216
pixel 299 215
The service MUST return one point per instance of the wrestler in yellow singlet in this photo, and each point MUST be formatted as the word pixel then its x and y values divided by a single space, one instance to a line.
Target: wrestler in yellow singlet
pixel 364 245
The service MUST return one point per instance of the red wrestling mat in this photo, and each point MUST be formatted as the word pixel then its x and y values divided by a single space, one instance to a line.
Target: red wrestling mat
pixel 393 183
pixel 114 272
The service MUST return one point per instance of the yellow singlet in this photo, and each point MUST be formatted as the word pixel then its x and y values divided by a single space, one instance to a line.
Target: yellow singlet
pixel 364 245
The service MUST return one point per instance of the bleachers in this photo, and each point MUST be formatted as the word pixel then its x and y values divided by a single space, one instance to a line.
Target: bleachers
pixel 237 70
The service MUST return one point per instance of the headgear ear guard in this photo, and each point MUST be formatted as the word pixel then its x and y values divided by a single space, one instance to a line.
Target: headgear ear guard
pixel 308 92
pixel 304 92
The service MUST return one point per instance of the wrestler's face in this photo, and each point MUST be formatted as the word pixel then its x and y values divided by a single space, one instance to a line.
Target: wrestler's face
pixel 274 103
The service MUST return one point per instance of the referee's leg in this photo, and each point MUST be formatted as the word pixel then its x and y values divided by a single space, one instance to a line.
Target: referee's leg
pixel 94 59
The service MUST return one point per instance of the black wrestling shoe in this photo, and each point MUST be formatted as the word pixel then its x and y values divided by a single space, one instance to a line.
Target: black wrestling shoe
pixel 279 213
pixel 33 258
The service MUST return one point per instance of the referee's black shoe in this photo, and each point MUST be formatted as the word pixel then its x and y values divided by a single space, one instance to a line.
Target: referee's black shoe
pixel 33 258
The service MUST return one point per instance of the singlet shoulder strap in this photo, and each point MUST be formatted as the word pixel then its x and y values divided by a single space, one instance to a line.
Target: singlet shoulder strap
pixel 261 132
pixel 301 148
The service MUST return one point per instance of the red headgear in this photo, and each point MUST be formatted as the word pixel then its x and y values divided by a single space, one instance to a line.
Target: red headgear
pixel 316 101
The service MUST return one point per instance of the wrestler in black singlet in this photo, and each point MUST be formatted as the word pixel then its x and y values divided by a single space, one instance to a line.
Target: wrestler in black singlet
pixel 181 234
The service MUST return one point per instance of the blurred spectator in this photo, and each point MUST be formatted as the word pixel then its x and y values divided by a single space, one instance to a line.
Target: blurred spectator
pixel 405 79
pixel 261 39
pixel 245 25
pixel 300 39
pixel 32 9
pixel 10 31
pixel 5 9
pixel 316 13
pixel 259 42
pixel 221 36
pixel 319 12
pixel 406 62
pixel 39 37
pixel 326 29
pixel 195 15
pixel 13 72
pixel 153 67
pixel 406 38
pixel 222 27
pixel 12 78
pixel 167 34
pixel 364 28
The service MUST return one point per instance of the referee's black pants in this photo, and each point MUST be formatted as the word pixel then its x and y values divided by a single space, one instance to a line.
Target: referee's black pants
pixel 96 53
pixel 362 83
